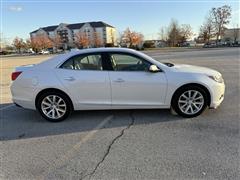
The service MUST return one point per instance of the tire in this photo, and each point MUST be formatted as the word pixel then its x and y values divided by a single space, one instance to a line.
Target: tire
pixel 191 106
pixel 58 103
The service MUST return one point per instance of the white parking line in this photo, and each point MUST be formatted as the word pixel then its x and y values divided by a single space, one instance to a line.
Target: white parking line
pixel 60 161
pixel 6 107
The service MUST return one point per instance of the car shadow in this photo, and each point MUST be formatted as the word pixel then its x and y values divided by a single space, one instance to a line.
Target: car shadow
pixel 19 123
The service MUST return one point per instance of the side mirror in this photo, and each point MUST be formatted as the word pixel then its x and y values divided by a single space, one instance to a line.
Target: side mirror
pixel 154 68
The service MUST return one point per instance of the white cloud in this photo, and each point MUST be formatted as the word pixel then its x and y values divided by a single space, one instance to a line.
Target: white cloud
pixel 15 8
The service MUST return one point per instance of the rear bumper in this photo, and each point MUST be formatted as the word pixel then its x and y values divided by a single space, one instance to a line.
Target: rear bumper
pixel 23 97
pixel 24 103
pixel 217 95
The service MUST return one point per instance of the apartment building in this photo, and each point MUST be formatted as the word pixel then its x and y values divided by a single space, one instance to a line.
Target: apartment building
pixel 69 33
pixel 231 35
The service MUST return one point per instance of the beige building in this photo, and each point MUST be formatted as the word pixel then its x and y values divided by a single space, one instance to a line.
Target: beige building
pixel 68 33
pixel 231 35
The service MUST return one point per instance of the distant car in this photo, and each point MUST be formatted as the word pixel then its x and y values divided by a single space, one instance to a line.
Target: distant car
pixel 44 52
pixel 30 51
pixel 236 44
pixel 114 78
pixel 210 45
pixel 3 52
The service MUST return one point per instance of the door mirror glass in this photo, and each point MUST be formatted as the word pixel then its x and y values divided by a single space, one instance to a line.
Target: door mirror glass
pixel 154 68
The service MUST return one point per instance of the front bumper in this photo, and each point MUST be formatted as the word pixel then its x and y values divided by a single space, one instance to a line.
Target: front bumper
pixel 217 95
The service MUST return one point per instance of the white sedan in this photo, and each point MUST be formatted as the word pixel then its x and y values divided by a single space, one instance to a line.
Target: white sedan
pixel 114 78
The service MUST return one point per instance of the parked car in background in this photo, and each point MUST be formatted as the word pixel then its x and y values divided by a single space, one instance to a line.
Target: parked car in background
pixel 236 44
pixel 44 52
pixel 210 45
pixel 114 78
pixel 30 51
pixel 3 52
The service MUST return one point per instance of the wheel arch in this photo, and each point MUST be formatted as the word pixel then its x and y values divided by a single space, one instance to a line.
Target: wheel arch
pixel 52 90
pixel 196 85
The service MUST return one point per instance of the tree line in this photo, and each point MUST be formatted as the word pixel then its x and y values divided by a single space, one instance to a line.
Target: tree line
pixel 176 34
pixel 42 42
pixel 213 28
pixel 173 35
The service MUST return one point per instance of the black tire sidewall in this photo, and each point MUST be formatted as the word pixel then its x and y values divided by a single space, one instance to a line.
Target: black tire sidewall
pixel 64 97
pixel 179 92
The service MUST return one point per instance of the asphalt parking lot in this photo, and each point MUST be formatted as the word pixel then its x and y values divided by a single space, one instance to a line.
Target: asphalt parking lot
pixel 125 144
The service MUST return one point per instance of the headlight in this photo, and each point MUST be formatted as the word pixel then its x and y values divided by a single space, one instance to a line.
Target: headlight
pixel 216 78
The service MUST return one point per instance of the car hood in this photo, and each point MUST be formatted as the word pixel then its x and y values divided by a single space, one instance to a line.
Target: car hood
pixel 195 69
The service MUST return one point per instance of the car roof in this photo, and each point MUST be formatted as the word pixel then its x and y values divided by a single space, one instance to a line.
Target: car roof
pixel 58 59
pixel 108 49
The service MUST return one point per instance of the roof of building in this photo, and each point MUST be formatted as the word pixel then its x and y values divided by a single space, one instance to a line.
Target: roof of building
pixel 99 24
pixel 75 26
pixel 50 28
pixel 47 29
pixel 233 29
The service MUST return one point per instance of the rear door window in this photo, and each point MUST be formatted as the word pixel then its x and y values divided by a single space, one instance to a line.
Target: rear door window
pixel 84 62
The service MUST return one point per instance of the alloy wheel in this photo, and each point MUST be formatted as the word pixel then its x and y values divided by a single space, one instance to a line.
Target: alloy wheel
pixel 53 106
pixel 191 102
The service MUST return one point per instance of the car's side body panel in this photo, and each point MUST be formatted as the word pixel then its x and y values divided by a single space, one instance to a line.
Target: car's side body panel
pixel 138 88
pixel 89 89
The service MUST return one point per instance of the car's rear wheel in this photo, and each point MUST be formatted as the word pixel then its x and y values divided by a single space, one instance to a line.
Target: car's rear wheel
pixel 54 106
pixel 190 101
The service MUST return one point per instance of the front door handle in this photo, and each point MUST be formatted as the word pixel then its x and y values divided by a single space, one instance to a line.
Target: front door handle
pixel 69 78
pixel 119 80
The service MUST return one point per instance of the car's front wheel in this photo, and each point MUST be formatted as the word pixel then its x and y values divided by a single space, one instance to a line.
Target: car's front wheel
pixel 54 106
pixel 190 101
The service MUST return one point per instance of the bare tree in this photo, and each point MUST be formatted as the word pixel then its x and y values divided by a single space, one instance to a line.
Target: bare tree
pixel 173 33
pixel 127 37
pixel 221 17
pixel 185 32
pixel 18 43
pixel 163 34
pixel 207 30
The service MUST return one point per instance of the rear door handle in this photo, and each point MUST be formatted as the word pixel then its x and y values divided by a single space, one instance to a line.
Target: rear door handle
pixel 69 78
pixel 119 80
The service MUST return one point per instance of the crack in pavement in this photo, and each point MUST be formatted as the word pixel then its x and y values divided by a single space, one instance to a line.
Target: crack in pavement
pixel 110 146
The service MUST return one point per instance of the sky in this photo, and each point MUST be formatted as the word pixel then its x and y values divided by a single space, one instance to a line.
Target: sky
pixel 19 17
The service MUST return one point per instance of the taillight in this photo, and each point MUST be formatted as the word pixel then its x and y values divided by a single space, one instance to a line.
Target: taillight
pixel 15 75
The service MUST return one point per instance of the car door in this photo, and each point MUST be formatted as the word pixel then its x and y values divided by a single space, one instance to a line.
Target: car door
pixel 133 84
pixel 87 81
